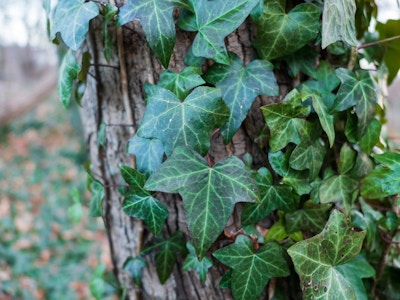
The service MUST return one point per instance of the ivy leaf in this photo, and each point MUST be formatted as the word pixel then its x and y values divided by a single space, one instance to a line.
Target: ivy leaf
pixel 339 189
pixel 252 270
pixel 319 260
pixel 347 159
pixel 280 34
pixel 166 254
pixel 192 263
pixel 71 19
pixel 278 231
pixel 109 12
pixel 357 90
pixel 272 197
pixel 371 136
pixel 148 153
pixel 325 75
pixel 240 86
pixel 214 20
pixel 284 120
pixel 139 203
pixel 338 22
pixel 97 190
pixel 385 179
pixel 188 123
pixel 157 23
pixel 85 66
pixel 69 70
pixel 303 60
pixel 279 162
pixel 181 83
pixel 311 217
pixel 134 266
pixel 209 193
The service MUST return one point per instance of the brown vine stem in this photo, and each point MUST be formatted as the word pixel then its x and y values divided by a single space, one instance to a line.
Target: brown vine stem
pixel 378 42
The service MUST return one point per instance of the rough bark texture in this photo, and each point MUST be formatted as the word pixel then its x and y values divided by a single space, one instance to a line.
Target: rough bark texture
pixel 104 102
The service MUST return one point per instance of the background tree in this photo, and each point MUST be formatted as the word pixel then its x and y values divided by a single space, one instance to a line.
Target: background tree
pixel 253 127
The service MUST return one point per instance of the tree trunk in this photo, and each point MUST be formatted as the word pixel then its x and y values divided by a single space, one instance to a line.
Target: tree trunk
pixel 109 100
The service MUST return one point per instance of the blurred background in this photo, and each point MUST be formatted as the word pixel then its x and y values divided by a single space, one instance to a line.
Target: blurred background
pixel 49 246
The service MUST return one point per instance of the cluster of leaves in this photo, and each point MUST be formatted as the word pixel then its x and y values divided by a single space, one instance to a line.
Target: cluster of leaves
pixel 321 173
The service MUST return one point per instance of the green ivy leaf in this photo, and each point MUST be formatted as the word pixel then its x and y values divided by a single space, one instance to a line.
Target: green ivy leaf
pixel 281 34
pixel 109 12
pixel 252 270
pixel 338 22
pixel 303 60
pixel 97 190
pixel 157 23
pixel 284 120
pixel 148 153
pixel 310 152
pixel 134 266
pixel 339 189
pixel 181 83
pixel 311 217
pixel 371 136
pixel 325 75
pixel 240 86
pixel 357 90
pixel 214 20
pixel 189 123
pixel 192 263
pixel 139 203
pixel 71 19
pixel 297 179
pixel 385 179
pixel 318 260
pixel 278 231
pixel 272 197
pixel 209 193
pixel 69 70
pixel 347 159
pixel 85 66
pixel 166 254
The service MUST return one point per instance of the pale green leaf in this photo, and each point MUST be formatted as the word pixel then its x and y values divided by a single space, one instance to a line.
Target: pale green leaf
pixel 285 119
pixel 134 266
pixel 319 260
pixel 97 194
pixel 189 123
pixel 71 20
pixel 214 20
pixel 192 263
pixel 68 72
pixel 157 23
pixel 148 153
pixel 338 22
pixel 209 193
pixel 371 136
pixel 278 231
pixel 271 197
pixel 347 159
pixel 357 89
pixel 280 33
pixel 240 86
pixel 252 269
pixel 384 180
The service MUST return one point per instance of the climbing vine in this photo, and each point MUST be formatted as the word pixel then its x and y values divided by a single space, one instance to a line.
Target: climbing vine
pixel 329 182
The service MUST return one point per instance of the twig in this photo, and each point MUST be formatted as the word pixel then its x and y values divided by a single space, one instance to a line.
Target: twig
pixel 378 42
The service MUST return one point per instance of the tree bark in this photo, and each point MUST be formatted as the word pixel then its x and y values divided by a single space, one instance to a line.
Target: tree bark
pixel 103 102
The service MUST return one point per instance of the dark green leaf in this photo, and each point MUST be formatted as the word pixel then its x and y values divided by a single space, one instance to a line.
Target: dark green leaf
pixel 339 189
pixel 240 86
pixel 214 20
pixel 226 280
pixel 209 193
pixel 371 136
pixel 192 263
pixel 148 153
pixel 71 19
pixel 252 270
pixel 280 34
pixel 338 22
pixel 303 60
pixel 157 23
pixel 189 123
pixel 68 73
pixel 109 12
pixel 312 217
pixel 181 83
pixel 317 260
pixel 325 75
pixel 362 166
pixel 357 90
pixel 284 121
pixel 134 266
pixel 347 159
pixel 86 58
pixel 272 197
pixel 139 203
pixel 310 152
pixel 385 179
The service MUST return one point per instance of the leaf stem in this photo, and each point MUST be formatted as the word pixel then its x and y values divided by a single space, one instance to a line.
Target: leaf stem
pixel 378 42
